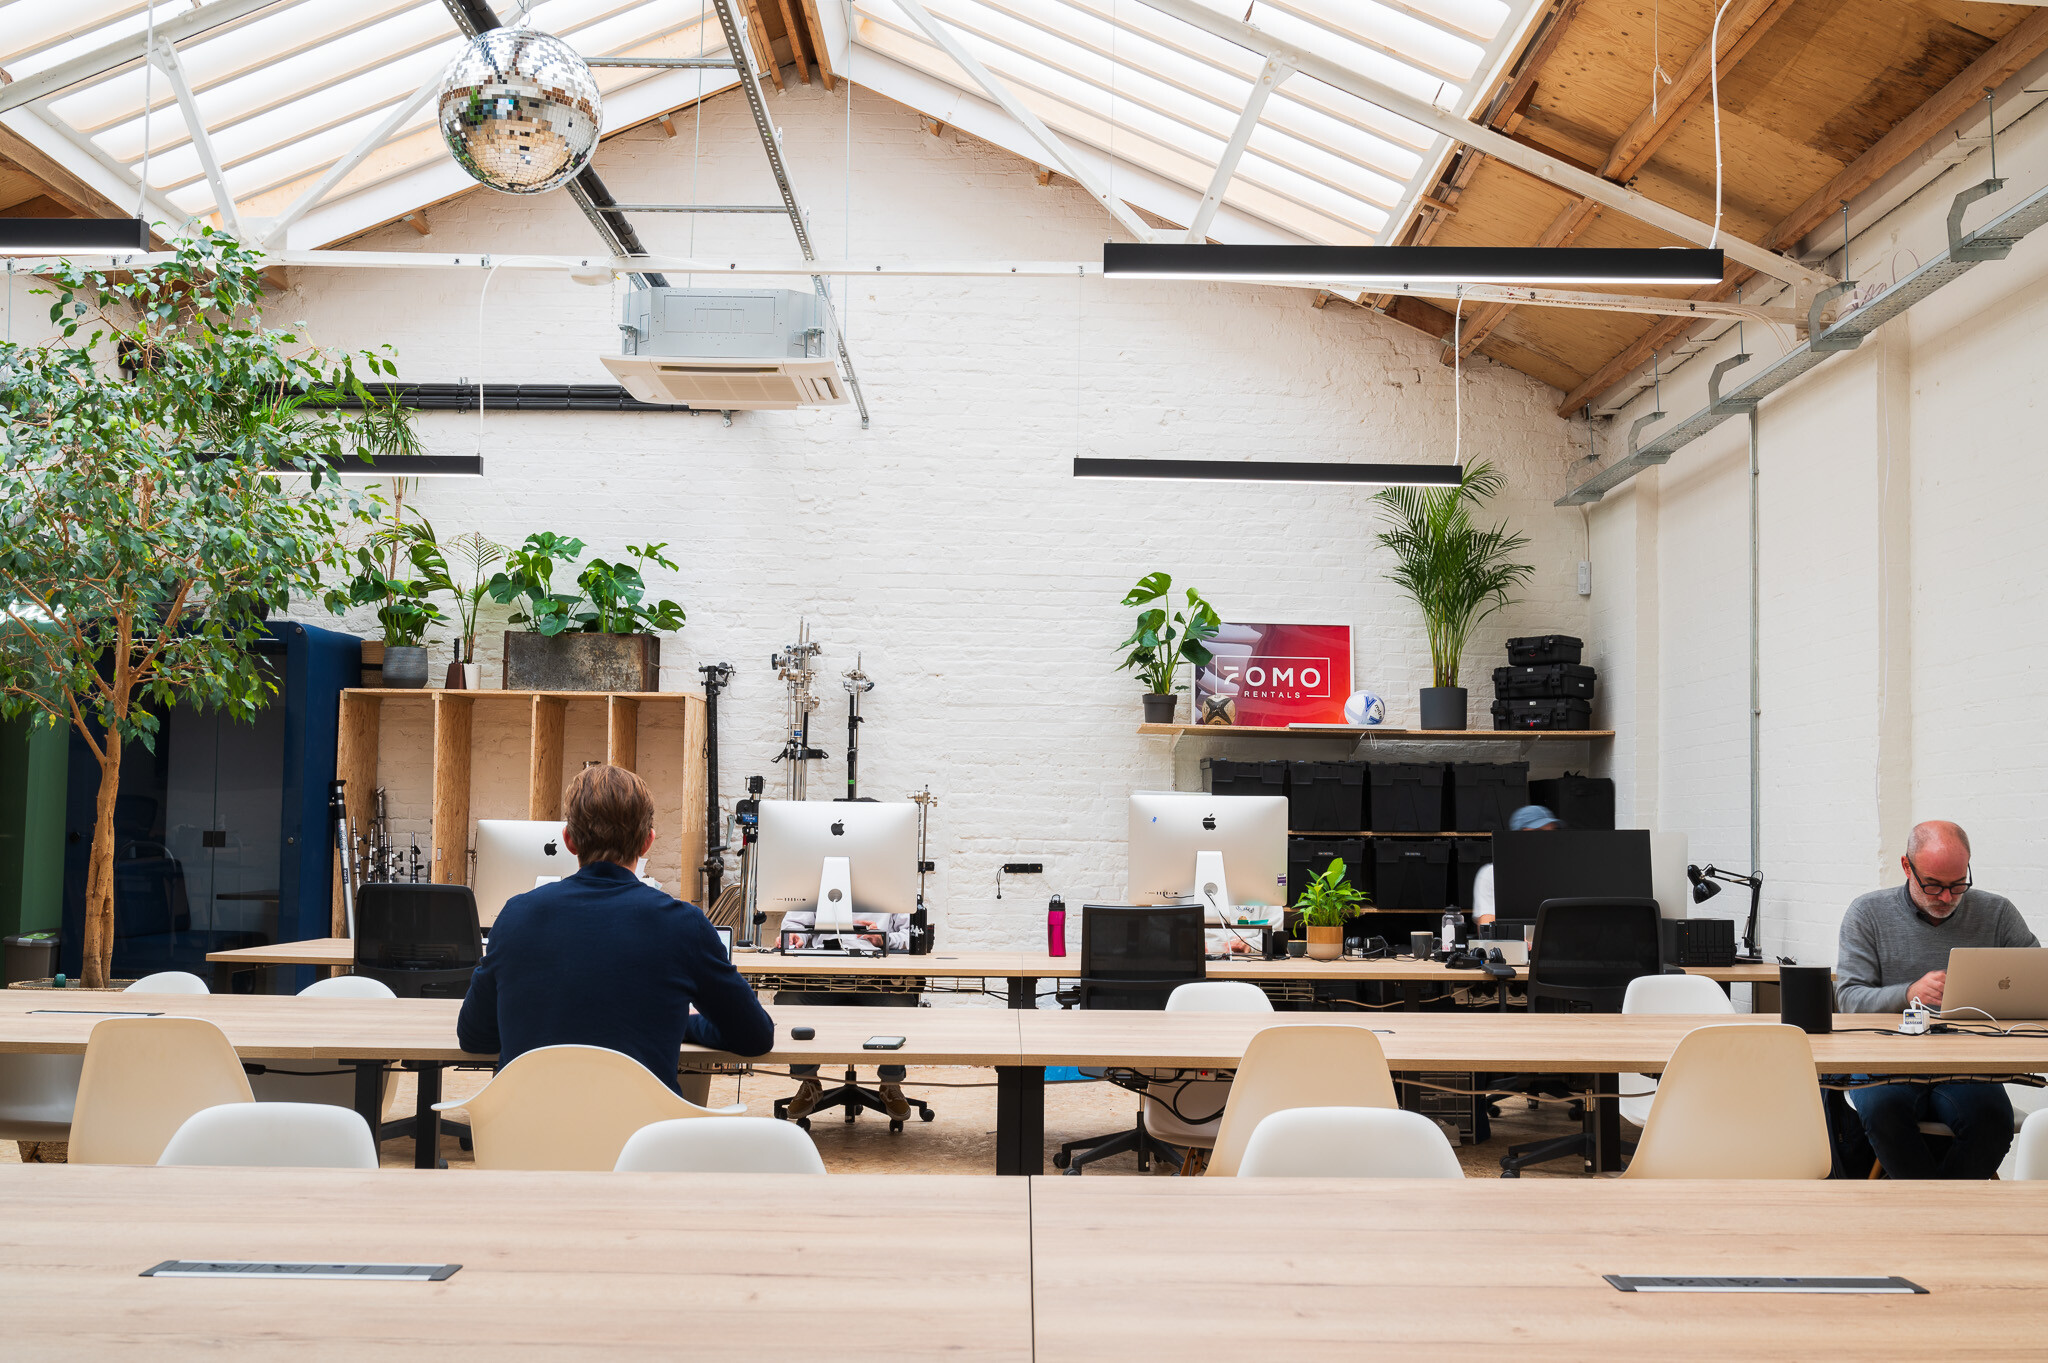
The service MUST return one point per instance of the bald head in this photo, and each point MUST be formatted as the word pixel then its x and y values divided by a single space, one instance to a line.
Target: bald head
pixel 1936 837
pixel 1937 853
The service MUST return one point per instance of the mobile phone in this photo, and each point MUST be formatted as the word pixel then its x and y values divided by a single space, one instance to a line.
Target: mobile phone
pixel 883 1043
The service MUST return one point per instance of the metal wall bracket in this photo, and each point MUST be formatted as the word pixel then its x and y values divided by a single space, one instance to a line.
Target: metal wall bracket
pixel 1957 247
pixel 1717 403
pixel 1816 339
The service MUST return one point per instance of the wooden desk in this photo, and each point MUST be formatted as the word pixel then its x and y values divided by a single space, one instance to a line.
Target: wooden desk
pixel 1341 1270
pixel 554 1265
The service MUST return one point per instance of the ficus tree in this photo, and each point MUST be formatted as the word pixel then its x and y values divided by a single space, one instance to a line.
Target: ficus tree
pixel 166 479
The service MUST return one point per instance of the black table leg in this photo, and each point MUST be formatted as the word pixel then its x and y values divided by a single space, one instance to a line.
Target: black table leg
pixel 426 1131
pixel 369 1093
pixel 1604 1111
pixel 1024 991
pixel 1020 1119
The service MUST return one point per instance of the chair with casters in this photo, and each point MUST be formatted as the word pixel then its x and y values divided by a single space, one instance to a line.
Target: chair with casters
pixel 1583 957
pixel 1737 1101
pixel 273 1136
pixel 1312 1065
pixel 142 1078
pixel 1185 1112
pixel 569 1107
pixel 38 1092
pixel 1348 1142
pixel 423 940
pixel 1665 994
pixel 1133 957
pixel 730 1145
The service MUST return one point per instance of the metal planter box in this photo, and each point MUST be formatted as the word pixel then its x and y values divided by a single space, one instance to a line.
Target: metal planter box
pixel 582 662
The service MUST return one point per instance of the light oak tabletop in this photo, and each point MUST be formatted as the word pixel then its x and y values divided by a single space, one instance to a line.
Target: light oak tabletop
pixel 1314 1269
pixel 553 1265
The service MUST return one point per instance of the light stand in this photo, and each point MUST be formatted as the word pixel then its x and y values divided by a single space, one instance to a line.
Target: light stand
pixel 1703 880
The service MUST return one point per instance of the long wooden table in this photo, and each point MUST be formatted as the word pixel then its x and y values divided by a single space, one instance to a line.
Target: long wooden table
pixel 553 1265
pixel 573 1265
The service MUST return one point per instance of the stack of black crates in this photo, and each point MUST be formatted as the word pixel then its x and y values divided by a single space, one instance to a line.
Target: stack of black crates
pixel 1543 686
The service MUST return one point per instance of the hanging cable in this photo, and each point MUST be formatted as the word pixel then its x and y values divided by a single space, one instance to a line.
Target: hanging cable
pixel 1714 78
pixel 148 88
pixel 1656 56
pixel 1458 380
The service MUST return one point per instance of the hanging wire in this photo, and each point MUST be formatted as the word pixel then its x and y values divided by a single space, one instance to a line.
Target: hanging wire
pixel 1657 70
pixel 1458 379
pixel 1714 77
pixel 148 94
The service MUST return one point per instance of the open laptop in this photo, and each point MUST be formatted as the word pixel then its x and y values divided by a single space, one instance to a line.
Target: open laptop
pixel 725 940
pixel 2006 984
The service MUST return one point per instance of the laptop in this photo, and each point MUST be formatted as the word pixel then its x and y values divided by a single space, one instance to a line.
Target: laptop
pixel 2003 984
pixel 725 940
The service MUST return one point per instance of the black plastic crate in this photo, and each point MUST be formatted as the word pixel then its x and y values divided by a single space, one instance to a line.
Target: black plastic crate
pixel 1412 874
pixel 1485 795
pixel 1544 679
pixel 1406 797
pixel 1326 797
pixel 1699 941
pixel 1310 857
pixel 1245 778
pixel 1469 855
pixel 1544 648
pixel 1557 713
pixel 1581 801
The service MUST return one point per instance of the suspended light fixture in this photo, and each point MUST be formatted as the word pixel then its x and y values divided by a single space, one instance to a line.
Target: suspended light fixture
pixel 55 236
pixel 1247 471
pixel 1412 264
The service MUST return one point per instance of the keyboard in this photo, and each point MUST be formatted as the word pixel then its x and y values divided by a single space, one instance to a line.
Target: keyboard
pixel 830 951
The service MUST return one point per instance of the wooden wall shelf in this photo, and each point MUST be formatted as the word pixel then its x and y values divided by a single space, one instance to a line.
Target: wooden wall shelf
pixel 1368 833
pixel 1176 732
pixel 679 808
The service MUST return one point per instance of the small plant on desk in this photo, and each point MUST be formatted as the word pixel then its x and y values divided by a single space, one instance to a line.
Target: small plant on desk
pixel 1327 901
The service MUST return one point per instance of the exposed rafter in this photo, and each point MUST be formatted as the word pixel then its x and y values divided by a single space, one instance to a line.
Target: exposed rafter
pixel 376 138
pixel 165 55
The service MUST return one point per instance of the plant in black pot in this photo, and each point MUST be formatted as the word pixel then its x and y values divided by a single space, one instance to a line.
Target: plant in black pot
pixel 601 637
pixel 1163 639
pixel 397 572
pixel 1456 571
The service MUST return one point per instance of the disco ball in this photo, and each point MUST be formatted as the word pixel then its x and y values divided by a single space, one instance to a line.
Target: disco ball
pixel 520 111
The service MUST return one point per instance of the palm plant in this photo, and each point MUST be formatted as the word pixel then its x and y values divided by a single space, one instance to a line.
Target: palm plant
pixel 480 555
pixel 1457 572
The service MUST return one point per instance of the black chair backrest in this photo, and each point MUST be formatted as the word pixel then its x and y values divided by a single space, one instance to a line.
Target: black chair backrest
pixel 1132 956
pixel 1587 950
pixel 422 940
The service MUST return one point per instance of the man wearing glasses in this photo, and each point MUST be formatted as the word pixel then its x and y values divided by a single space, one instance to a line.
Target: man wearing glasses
pixel 1894 948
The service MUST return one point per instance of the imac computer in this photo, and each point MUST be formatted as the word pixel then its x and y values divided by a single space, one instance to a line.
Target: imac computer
pixel 1225 852
pixel 1567 863
pixel 512 857
pixel 853 861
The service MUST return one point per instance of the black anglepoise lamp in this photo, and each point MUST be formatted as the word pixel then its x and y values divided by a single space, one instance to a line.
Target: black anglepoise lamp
pixel 1704 887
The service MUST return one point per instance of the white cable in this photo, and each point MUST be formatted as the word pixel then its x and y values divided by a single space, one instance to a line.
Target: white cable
pixel 148 85
pixel 1714 78
pixel 481 295
pixel 1457 380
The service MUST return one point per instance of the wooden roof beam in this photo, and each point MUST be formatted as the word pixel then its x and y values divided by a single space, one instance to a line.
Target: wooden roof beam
pixel 2000 63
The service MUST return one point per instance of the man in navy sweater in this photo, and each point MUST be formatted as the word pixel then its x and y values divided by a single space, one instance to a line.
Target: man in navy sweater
pixel 601 959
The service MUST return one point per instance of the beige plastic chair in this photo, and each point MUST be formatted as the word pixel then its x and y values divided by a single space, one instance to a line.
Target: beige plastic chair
pixel 2030 1147
pixel 1736 1102
pixel 1197 1097
pixel 569 1107
pixel 143 1077
pixel 730 1145
pixel 1348 1142
pixel 273 1136
pixel 320 1081
pixel 1306 1066
pixel 1664 994
pixel 37 1092
pixel 169 982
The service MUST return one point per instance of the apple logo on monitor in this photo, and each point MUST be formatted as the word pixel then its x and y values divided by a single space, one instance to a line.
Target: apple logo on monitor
pixel 1208 823
pixel 548 848
pixel 839 828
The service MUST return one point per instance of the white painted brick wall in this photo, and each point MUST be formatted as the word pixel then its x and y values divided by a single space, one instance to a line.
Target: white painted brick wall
pixel 949 545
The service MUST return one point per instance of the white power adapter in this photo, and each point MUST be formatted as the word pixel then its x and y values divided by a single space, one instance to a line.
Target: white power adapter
pixel 1915 1019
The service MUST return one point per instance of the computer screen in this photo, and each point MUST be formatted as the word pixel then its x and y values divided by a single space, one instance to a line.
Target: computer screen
pixel 725 940
pixel 1170 829
pixel 513 854
pixel 877 838
pixel 1567 863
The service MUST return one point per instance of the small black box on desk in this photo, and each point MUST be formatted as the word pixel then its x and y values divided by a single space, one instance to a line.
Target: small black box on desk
pixel 1544 648
pixel 1406 797
pixel 1544 679
pixel 1699 941
pixel 1581 801
pixel 1411 874
pixel 1549 713
pixel 1326 797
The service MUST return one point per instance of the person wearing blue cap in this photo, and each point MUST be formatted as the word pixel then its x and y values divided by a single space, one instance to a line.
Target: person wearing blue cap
pixel 1526 819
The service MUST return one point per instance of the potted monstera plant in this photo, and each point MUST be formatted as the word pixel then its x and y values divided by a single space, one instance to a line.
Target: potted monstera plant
pixel 600 637
pixel 1163 639
pixel 1327 901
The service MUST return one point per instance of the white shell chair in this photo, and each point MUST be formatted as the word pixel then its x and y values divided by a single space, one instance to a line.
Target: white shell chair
pixel 274 1136
pixel 730 1145
pixel 37 1092
pixel 2030 1148
pixel 287 1080
pixel 1671 994
pixel 1198 1097
pixel 1348 1142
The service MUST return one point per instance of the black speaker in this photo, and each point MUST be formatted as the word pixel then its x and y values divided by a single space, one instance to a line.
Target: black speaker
pixel 1806 998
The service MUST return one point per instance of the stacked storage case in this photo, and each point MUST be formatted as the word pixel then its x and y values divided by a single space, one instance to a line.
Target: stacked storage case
pixel 1543 686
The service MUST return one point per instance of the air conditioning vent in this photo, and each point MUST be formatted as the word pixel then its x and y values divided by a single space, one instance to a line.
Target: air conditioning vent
pixel 739 385
pixel 745 350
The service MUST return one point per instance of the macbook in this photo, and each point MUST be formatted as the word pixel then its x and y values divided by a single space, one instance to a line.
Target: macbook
pixel 2006 984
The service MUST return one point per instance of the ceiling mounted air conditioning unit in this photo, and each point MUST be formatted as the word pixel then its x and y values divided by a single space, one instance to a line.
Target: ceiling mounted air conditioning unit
pixel 747 350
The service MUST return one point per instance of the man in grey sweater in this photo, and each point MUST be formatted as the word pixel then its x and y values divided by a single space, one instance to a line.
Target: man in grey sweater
pixel 1894 948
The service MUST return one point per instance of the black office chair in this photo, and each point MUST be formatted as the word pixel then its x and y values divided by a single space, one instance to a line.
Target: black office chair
pixel 1133 958
pixel 422 940
pixel 1584 955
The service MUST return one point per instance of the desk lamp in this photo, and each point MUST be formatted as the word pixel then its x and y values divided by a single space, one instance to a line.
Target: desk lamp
pixel 1703 880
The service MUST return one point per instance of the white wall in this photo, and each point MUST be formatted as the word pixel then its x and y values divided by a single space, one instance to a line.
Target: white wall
pixel 1903 650
pixel 949 546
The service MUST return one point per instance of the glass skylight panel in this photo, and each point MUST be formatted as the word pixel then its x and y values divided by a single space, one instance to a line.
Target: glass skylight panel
pixel 1382 26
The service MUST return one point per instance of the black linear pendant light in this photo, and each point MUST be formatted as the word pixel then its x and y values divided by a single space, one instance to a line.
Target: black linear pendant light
pixel 54 236
pixel 1248 471
pixel 1412 264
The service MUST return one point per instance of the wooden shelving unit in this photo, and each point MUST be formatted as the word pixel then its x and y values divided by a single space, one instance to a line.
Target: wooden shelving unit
pixel 679 809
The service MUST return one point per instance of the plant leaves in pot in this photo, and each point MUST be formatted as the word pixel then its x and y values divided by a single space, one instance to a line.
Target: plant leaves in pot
pixel 600 638
pixel 1164 638
pixel 1324 904
pixel 404 607
pixel 1457 572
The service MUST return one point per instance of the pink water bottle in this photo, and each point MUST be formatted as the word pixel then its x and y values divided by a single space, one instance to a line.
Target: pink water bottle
pixel 1056 927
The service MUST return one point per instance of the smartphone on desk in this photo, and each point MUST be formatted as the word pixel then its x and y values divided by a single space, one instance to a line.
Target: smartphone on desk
pixel 883 1043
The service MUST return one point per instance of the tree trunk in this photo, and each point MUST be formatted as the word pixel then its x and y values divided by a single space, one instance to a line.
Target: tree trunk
pixel 99 879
